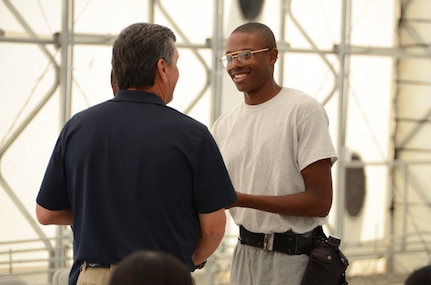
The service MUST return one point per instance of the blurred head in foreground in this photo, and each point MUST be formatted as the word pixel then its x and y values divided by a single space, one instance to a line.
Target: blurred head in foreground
pixel 151 267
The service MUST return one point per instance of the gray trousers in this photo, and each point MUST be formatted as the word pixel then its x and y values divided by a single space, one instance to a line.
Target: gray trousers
pixel 255 266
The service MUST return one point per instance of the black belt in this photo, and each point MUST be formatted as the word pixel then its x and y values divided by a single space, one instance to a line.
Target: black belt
pixel 288 242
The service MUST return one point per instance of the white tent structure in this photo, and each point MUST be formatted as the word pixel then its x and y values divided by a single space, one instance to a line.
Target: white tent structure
pixel 367 61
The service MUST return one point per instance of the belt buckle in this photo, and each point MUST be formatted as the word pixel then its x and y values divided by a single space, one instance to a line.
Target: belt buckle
pixel 268 242
pixel 93 265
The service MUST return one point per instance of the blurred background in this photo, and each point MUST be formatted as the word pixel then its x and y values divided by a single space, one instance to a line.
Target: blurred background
pixel 367 61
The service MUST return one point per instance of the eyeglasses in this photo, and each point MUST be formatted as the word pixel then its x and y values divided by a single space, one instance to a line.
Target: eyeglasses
pixel 242 56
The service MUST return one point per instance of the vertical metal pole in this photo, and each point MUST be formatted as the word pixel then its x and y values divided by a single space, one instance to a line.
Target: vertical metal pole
pixel 282 39
pixel 151 5
pixel 66 70
pixel 217 48
pixel 342 112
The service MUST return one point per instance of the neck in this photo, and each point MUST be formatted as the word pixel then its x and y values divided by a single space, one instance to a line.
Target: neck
pixel 155 89
pixel 261 96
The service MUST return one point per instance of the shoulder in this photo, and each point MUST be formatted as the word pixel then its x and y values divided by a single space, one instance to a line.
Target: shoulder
pixel 299 97
pixel 228 116
pixel 184 119
pixel 89 112
pixel 301 103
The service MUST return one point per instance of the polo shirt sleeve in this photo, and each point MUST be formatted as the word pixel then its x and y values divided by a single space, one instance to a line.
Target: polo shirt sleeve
pixel 53 191
pixel 213 187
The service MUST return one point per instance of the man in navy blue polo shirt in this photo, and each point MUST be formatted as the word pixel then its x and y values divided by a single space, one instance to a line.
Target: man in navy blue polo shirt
pixel 132 173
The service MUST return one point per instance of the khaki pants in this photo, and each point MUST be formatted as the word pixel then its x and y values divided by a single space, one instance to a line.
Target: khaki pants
pixel 94 276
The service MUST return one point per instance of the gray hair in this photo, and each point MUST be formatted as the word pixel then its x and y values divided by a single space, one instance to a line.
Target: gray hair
pixel 136 52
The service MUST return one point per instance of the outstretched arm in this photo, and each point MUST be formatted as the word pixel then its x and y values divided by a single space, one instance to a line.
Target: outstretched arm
pixel 315 201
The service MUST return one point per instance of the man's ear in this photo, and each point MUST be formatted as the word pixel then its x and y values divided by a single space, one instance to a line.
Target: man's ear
pixel 161 70
pixel 274 55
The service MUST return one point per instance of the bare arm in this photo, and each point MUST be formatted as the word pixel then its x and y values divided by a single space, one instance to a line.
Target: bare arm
pixel 315 201
pixel 212 231
pixel 49 217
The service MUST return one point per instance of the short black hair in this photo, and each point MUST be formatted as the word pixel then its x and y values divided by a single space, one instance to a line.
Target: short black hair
pixel 262 30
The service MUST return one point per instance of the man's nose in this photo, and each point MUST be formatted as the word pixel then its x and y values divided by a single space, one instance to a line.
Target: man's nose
pixel 234 62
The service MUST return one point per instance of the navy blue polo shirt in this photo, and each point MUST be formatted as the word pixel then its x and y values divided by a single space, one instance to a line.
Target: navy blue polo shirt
pixel 135 173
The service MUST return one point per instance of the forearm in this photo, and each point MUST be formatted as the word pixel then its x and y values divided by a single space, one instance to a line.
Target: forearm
pixel 314 201
pixel 207 245
pixel 300 204
pixel 212 232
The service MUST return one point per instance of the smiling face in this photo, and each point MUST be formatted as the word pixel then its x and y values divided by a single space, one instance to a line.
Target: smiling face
pixel 253 76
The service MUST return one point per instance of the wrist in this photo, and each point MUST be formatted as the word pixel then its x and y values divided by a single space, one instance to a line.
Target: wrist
pixel 200 266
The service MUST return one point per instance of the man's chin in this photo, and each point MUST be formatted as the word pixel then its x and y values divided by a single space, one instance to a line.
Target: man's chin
pixel 240 87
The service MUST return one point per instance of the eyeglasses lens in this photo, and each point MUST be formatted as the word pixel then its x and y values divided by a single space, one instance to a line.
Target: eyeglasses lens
pixel 241 57
pixel 244 55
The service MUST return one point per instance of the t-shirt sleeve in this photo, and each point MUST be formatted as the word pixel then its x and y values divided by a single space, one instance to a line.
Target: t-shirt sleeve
pixel 314 139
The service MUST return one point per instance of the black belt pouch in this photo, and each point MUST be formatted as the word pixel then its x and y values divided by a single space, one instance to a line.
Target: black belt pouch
pixel 327 264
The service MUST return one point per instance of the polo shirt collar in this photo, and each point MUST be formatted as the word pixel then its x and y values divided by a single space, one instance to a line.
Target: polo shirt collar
pixel 138 96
